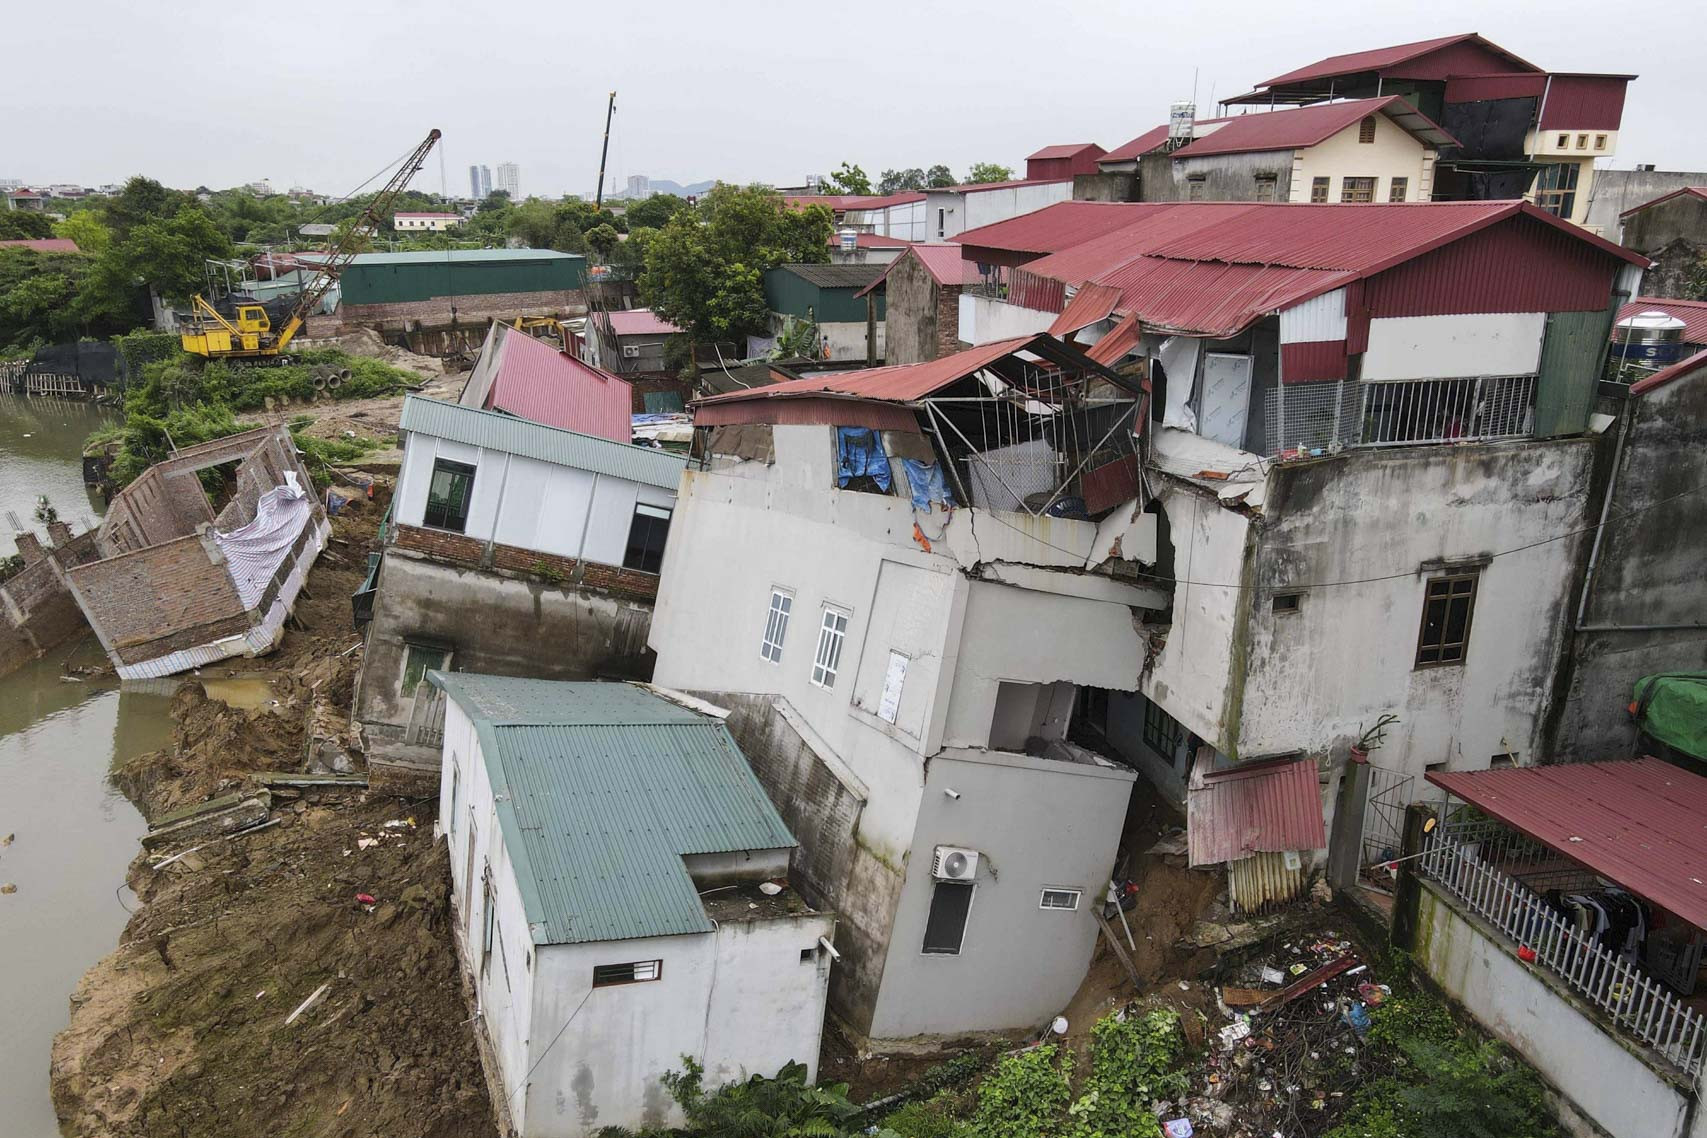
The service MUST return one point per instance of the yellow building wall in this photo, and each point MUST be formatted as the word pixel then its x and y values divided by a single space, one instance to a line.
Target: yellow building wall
pixel 1580 146
pixel 1395 153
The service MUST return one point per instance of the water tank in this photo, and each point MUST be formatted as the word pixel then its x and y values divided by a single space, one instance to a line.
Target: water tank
pixel 1181 116
pixel 849 239
pixel 1648 339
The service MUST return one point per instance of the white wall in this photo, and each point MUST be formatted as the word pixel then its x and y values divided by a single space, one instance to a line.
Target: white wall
pixel 528 503
pixel 970 209
pixel 846 339
pixel 1395 153
pixel 906 221
pixel 1442 347
pixel 984 319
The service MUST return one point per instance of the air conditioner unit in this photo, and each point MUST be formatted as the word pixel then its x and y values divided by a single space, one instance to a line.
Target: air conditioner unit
pixel 631 351
pixel 952 863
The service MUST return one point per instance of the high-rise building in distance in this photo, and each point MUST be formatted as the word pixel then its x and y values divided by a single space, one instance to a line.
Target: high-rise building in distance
pixel 510 180
pixel 480 182
pixel 639 186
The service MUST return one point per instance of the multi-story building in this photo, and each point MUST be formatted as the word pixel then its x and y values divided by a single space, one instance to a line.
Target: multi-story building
pixel 509 180
pixel 480 182
pixel 639 187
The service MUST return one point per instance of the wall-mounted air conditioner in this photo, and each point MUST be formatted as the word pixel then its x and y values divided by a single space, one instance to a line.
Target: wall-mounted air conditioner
pixel 952 863
pixel 631 351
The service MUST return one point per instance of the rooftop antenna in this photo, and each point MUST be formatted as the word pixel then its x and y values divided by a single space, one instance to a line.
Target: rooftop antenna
pixel 604 152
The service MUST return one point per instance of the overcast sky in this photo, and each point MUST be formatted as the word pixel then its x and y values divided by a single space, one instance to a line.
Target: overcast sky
pixel 323 94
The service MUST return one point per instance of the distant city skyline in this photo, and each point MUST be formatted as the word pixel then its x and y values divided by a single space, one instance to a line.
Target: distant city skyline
pixel 480 182
pixel 509 180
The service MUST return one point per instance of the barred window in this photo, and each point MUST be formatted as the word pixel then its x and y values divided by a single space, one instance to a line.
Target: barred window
pixel 776 625
pixel 830 636
pixel 635 972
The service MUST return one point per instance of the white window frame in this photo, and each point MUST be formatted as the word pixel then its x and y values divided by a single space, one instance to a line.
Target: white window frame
pixel 1043 898
pixel 832 636
pixel 641 972
pixel 776 624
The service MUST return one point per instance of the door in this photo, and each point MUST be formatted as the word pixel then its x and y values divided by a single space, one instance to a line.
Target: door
pixel 1226 398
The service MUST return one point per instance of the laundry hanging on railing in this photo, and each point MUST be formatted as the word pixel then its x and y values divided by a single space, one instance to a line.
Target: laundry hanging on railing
pixel 925 481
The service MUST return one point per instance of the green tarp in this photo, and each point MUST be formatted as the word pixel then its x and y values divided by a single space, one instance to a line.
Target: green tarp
pixel 1672 707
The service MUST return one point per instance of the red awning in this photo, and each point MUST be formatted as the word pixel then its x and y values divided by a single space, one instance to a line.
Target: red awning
pixel 1091 303
pixel 1257 808
pixel 1641 824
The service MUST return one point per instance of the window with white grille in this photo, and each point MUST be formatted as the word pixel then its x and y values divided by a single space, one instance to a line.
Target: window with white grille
pixel 830 636
pixel 1059 899
pixel 776 625
pixel 635 972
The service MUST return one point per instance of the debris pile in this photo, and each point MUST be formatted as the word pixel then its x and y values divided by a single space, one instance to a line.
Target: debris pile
pixel 1288 1054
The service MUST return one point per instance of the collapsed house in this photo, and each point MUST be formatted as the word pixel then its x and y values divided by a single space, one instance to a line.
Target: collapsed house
pixel 511 547
pixel 905 584
pixel 615 866
pixel 177 586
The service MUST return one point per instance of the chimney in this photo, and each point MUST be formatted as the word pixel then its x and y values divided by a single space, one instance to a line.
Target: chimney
pixel 29 547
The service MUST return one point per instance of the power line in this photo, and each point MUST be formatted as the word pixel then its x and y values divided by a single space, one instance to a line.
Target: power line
pixel 1291 587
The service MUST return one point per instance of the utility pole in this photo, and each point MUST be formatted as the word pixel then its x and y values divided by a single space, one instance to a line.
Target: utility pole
pixel 604 152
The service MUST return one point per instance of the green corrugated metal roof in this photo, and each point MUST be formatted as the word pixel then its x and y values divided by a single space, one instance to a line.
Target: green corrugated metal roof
pixel 464 256
pixel 601 790
pixel 525 437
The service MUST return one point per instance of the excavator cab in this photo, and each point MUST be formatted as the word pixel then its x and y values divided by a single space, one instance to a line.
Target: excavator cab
pixel 252 318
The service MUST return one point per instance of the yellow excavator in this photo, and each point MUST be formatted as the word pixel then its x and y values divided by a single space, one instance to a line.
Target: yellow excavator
pixel 248 335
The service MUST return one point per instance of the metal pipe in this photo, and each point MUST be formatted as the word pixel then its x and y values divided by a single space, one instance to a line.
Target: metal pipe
pixel 1628 417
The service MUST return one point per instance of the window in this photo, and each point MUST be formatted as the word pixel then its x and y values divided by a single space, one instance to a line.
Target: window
pixel 1162 732
pixel 945 928
pixel 1396 192
pixel 830 636
pixel 1059 899
pixel 455 786
pixel 1357 189
pixel 1556 189
pixel 1265 187
pixel 489 923
pixel 1194 187
pixel 646 534
pixel 637 972
pixel 1502 762
pixel 941 216
pixel 1287 602
pixel 776 625
pixel 1600 142
pixel 1582 142
pixel 418 660
pixel 1564 141
pixel 448 494
pixel 1318 190
pixel 1366 129
pixel 1447 604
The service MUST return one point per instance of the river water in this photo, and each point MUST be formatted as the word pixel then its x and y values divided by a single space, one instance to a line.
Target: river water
pixel 71 834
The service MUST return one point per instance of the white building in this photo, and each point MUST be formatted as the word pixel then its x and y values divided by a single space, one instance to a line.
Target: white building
pixel 514 548
pixel 424 222
pixel 509 180
pixel 905 677
pixel 607 848
pixel 950 210
pixel 480 182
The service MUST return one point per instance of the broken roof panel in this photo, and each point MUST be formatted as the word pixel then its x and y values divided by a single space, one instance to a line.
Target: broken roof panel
pixel 1638 823
pixel 531 379
pixel 1090 304
pixel 1258 808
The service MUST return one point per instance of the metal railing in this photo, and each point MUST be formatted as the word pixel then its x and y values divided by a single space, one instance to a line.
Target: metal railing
pixel 1634 1002
pixel 1448 410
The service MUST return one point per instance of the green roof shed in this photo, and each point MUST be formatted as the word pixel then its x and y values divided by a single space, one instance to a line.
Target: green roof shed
pixel 392 278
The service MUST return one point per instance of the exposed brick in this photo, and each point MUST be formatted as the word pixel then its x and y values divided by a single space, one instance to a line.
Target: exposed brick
pixel 548 567
pixel 437 311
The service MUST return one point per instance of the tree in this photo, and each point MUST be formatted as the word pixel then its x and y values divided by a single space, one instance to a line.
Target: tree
pixel 88 230
pixel 24 225
pixel 894 181
pixel 497 199
pixel 848 180
pixel 704 270
pixel 989 172
pixel 143 200
pixel 603 240
pixel 938 176
pixel 653 212
pixel 169 254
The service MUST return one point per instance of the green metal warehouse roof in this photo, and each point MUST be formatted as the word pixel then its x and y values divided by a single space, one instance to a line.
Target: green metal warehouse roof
pixel 498 431
pixel 601 789
pixel 461 256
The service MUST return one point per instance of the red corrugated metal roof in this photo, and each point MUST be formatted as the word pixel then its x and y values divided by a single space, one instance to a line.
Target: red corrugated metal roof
pixel 1092 303
pixel 1641 824
pixel 901 383
pixel 44 244
pixel 1379 58
pixel 1138 147
pixel 980 187
pixel 1308 126
pixel 1121 339
pixel 1693 313
pixel 1261 808
pixel 1061 150
pixel 640 322
pixel 535 381
pixel 1697 191
pixel 1058 226
pixel 1691 366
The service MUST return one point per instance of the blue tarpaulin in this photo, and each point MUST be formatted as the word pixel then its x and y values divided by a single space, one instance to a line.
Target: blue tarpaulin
pixel 927 483
pixel 860 451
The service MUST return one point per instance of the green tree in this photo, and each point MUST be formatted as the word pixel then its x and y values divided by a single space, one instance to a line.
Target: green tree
pixel 938 176
pixel 497 199
pixel 653 212
pixel 603 240
pixel 894 181
pixel 534 222
pixel 143 200
pixel 88 230
pixel 848 180
pixel 168 253
pixel 705 270
pixel 24 225
pixel 989 172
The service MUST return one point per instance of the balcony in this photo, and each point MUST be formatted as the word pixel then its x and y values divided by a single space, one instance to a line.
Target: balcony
pixel 1319 418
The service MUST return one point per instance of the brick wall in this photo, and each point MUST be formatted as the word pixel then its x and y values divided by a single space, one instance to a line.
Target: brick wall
pixel 37 611
pixel 947 320
pixel 463 550
pixel 164 593
pixel 469 309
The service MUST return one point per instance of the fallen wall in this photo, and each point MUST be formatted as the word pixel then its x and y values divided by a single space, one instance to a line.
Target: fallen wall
pixel 37 611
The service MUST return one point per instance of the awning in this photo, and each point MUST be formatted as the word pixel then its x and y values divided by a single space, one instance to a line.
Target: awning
pixel 1641 824
pixel 1258 808
pixel 1090 304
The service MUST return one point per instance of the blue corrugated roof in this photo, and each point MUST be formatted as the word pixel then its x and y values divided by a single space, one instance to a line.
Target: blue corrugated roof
pixel 601 790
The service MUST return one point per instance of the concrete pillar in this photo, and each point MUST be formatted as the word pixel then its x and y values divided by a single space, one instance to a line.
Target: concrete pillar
pixel 59 533
pixel 1345 844
pixel 29 547
pixel 1407 894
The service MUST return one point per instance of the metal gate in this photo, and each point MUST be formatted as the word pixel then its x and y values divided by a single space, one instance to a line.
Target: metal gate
pixel 1384 821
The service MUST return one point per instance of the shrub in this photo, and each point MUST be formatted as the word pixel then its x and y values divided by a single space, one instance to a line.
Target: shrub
pixel 1026 1095
pixel 1135 1061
